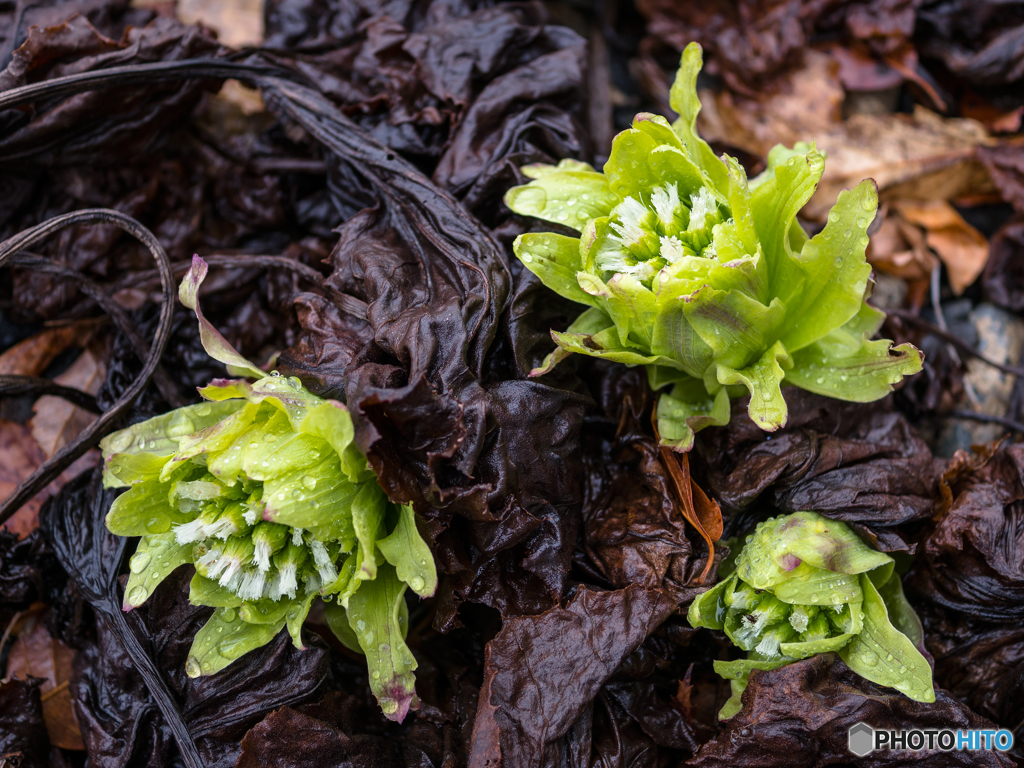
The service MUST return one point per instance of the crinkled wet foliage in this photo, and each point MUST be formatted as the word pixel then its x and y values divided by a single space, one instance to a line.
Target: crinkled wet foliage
pixel 349 200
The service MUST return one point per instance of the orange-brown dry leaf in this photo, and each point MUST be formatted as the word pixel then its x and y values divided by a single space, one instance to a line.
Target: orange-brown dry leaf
pixel 898 248
pixel 36 654
pixel 31 356
pixel 962 248
pixel 701 512
pixel 963 464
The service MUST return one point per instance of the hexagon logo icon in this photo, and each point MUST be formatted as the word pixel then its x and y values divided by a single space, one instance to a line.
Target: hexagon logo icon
pixel 862 739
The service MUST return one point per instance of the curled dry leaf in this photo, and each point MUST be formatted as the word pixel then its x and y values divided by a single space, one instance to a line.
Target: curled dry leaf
pixel 701 512
pixel 898 248
pixel 36 654
pixel 962 248
pixel 922 155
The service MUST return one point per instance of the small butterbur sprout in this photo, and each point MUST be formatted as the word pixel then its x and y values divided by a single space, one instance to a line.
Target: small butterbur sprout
pixel 804 584
pixel 262 489
pixel 707 279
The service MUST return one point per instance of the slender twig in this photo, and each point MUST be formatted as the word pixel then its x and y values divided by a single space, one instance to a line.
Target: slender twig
pixel 116 312
pixel 12 385
pixel 960 344
pixel 988 418
pixel 91 435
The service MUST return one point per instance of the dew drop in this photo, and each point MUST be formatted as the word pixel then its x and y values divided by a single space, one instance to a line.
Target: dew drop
pixel 207 666
pixel 416 583
pixel 388 706
pixel 848 233
pixel 526 258
pixel 192 668
pixel 137 595
pixel 309 482
pixel 562 216
pixel 120 441
pixel 888 657
pixel 869 658
pixel 903 670
pixel 203 409
pixel 384 648
pixel 139 562
pixel 158 525
pixel 227 614
pixel 232 647
pixel 376 674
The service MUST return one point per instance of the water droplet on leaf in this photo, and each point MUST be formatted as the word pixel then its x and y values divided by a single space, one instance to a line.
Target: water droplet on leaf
pixel 139 562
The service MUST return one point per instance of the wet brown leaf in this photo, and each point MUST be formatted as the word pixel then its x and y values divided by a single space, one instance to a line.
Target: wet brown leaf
pixel 36 654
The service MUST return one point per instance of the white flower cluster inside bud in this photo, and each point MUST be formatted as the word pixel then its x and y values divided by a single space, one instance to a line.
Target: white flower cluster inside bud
pixel 646 235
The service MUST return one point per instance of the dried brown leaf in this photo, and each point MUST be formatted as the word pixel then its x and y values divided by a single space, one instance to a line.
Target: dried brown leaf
pixel 36 654
pixel 31 356
pixel 56 421
pixel 962 248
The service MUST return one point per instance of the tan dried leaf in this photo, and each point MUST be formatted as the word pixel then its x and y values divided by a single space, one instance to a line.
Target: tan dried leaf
pixel 962 248
pixel 36 654
pixel 56 421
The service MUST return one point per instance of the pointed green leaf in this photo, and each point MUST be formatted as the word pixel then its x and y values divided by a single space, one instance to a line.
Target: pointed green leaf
pixel 763 380
pixel 154 560
pixel 683 99
pixel 689 409
pixel 569 198
pixel 835 270
pixel 883 655
pixel 204 591
pixel 374 613
pixel 368 509
pixel 555 259
pixel 826 367
pixel 708 608
pixel 144 509
pixel 225 638
pixel 803 650
pixel 405 549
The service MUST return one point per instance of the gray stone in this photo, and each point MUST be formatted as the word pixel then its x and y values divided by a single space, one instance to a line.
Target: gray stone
pixel 1000 337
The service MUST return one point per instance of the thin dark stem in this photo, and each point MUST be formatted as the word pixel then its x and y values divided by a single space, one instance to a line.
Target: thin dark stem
pixel 987 418
pixel 91 435
pixel 12 385
pixel 116 312
pixel 104 424
pixel 946 336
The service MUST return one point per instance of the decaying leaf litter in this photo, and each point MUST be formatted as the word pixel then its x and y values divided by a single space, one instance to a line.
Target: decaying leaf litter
pixel 549 508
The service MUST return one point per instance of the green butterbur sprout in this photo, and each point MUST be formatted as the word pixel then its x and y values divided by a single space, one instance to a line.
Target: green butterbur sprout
pixel 263 490
pixel 804 584
pixel 707 279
